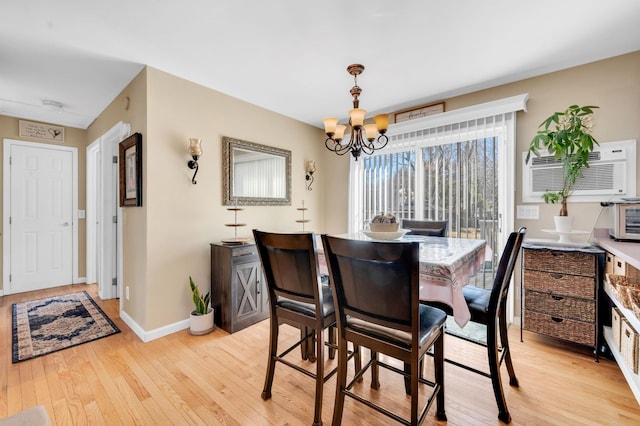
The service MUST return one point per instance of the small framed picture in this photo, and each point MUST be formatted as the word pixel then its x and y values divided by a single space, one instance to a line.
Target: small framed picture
pixel 419 112
pixel 131 171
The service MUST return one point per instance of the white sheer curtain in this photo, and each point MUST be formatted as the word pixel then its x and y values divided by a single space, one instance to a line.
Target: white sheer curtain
pixel 404 170
pixel 263 178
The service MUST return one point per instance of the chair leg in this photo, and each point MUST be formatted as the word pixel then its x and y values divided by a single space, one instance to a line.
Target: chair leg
pixel 504 339
pixel 304 353
pixel 494 369
pixel 273 353
pixel 375 371
pixel 307 347
pixel 341 382
pixel 317 415
pixel 413 390
pixel 332 340
pixel 357 361
pixel 438 360
pixel 407 378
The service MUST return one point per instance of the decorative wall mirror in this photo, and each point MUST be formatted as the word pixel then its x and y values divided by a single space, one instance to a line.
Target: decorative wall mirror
pixel 254 174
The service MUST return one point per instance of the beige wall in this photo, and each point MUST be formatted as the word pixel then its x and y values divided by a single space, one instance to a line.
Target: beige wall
pixel 130 106
pixel 167 239
pixel 72 138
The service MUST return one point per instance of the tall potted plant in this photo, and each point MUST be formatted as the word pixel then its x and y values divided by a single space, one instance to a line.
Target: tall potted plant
pixel 567 136
pixel 201 319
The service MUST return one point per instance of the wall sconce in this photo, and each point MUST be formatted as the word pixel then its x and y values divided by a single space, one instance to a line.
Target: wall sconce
pixel 311 168
pixel 195 151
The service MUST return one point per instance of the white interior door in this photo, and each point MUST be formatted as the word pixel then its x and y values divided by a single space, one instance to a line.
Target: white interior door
pixel 104 228
pixel 94 204
pixel 40 216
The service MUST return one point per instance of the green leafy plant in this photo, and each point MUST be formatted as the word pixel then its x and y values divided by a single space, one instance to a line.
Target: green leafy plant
pixel 201 302
pixel 567 136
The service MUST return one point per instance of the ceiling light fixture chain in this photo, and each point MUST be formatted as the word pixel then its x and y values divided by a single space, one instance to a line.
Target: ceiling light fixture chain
pixel 362 136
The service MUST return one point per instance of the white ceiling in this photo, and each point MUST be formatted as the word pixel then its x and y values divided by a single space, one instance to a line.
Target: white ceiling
pixel 290 56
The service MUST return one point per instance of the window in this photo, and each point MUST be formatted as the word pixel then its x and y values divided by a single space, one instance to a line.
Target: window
pixel 456 166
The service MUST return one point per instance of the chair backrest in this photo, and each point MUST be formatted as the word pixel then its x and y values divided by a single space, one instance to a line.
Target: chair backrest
pixel 434 228
pixel 290 264
pixel 507 263
pixel 377 282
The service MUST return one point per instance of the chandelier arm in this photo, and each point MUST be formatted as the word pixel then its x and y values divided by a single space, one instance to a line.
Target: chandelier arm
pixel 340 151
pixel 381 138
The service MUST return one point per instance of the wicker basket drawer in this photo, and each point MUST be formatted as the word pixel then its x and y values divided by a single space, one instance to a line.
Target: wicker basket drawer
pixel 560 306
pixel 567 262
pixel 629 345
pixel 616 324
pixel 562 328
pixel 560 284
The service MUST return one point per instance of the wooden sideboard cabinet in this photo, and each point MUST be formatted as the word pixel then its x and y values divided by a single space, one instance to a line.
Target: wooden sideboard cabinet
pixel 238 292
pixel 560 292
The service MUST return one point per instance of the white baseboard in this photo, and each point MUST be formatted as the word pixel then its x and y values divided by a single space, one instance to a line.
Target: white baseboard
pixel 147 336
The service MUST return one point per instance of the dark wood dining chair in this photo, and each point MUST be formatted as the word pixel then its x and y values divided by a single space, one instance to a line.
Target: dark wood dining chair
pixel 433 228
pixel 488 307
pixel 297 297
pixel 376 291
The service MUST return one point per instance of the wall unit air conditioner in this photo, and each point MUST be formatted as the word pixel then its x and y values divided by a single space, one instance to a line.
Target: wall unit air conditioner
pixel 610 177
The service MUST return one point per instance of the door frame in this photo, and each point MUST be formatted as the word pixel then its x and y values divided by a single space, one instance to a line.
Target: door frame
pixel 6 207
pixel 102 181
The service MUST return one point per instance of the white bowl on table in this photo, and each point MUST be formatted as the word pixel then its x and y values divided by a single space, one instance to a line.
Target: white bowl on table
pixel 382 235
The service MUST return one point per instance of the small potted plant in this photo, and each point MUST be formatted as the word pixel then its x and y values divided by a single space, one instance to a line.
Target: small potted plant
pixel 201 319
pixel 567 136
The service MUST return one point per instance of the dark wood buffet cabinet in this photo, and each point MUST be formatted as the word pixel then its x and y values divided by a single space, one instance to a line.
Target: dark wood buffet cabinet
pixel 238 293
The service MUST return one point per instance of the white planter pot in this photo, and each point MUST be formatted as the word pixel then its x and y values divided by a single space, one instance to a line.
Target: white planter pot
pixel 201 324
pixel 564 224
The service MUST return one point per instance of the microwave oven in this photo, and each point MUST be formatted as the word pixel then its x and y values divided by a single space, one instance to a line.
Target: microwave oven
pixel 625 221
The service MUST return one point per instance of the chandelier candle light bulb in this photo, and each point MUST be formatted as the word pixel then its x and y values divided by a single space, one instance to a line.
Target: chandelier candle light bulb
pixel 364 137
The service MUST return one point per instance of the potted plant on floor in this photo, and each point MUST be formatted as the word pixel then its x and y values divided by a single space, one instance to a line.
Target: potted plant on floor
pixel 201 319
pixel 567 136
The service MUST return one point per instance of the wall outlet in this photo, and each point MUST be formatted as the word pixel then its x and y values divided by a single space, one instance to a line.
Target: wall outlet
pixel 126 292
pixel 528 212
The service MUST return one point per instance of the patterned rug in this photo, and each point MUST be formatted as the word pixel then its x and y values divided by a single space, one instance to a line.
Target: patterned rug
pixel 472 331
pixel 49 325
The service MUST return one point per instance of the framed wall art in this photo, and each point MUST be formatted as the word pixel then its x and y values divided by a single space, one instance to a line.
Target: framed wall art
pixel 131 171
pixel 47 132
pixel 419 112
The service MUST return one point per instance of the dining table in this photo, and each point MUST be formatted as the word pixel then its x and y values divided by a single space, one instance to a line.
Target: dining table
pixel 446 266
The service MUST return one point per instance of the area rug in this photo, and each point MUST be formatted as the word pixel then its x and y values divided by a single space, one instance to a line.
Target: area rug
pixel 471 331
pixel 55 323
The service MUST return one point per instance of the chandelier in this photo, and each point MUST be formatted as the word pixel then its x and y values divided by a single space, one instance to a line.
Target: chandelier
pixel 364 137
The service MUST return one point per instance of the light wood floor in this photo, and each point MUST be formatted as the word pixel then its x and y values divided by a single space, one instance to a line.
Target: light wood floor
pixel 217 379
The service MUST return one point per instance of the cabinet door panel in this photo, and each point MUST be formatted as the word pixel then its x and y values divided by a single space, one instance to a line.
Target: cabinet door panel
pixel 248 294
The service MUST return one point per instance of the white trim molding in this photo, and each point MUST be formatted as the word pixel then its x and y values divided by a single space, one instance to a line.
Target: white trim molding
pixel 500 106
pixel 147 336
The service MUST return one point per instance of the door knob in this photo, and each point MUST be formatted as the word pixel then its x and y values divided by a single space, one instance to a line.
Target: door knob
pixel 65 224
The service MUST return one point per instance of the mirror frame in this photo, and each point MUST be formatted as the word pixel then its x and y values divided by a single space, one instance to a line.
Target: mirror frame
pixel 228 144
